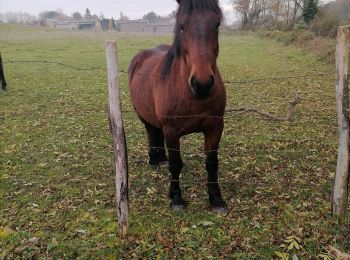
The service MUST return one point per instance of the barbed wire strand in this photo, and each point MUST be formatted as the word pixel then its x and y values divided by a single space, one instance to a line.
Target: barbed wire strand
pixel 56 63
pixel 176 116
pixel 258 80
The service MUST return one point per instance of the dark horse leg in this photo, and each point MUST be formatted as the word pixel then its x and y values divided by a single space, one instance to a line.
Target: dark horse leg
pixel 212 140
pixel 175 166
pixel 2 76
pixel 156 150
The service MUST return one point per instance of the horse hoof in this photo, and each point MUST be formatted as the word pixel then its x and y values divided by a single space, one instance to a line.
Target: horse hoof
pixel 161 163
pixel 178 206
pixel 163 159
pixel 220 210
pixel 154 166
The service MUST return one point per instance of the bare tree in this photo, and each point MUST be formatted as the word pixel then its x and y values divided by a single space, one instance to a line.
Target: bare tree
pixel 77 16
pixel 18 18
pixel 268 14
pixel 123 17
pixel 87 14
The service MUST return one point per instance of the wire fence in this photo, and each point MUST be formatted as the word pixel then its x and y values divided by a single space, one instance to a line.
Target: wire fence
pixel 256 80
pixel 55 63
pixel 193 180
pixel 239 111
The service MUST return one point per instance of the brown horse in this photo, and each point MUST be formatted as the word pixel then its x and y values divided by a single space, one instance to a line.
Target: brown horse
pixel 178 90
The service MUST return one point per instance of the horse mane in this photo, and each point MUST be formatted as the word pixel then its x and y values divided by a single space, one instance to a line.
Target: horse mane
pixel 186 7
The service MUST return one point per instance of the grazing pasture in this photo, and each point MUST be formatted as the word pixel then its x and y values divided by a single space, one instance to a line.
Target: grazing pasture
pixel 57 182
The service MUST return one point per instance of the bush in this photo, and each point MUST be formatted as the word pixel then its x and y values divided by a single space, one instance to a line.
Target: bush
pixel 321 46
pixel 304 36
pixel 300 26
pixel 330 17
pixel 324 26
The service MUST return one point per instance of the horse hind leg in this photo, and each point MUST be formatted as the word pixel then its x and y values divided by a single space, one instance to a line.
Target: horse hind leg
pixel 3 84
pixel 156 150
pixel 2 81
pixel 2 76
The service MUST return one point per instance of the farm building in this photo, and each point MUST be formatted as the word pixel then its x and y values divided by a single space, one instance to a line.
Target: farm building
pixel 160 27
pixel 109 24
pixel 132 26
pixel 144 26
pixel 89 25
pixel 70 24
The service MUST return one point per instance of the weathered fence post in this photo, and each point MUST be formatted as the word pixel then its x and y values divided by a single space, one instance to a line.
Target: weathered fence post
pixel 340 192
pixel 118 136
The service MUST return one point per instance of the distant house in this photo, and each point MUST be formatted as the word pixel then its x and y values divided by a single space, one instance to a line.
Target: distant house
pixel 160 27
pixel 70 24
pixel 164 26
pixel 145 26
pixel 132 26
pixel 166 20
pixel 87 25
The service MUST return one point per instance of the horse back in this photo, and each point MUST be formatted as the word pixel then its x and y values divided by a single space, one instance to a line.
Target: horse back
pixel 142 56
pixel 143 68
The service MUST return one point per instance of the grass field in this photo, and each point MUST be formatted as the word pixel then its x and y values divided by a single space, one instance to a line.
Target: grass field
pixel 56 177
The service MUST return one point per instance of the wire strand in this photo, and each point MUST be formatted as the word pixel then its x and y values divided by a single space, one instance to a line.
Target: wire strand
pixel 257 80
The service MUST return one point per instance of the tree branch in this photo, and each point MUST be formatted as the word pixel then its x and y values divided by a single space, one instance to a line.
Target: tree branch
pixel 292 104
pixel 337 253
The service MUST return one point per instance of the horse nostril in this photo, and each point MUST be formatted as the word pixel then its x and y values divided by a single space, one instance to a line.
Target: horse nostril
pixel 193 81
pixel 211 80
pixel 202 89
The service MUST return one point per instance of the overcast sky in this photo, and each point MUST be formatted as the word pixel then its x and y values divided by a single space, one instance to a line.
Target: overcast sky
pixel 110 8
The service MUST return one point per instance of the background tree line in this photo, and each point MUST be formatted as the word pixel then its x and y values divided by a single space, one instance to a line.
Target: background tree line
pixel 18 18
pixel 322 19
pixel 26 18
pixel 329 17
pixel 274 14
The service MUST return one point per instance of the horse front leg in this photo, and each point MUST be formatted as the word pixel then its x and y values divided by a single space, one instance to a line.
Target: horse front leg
pixel 175 166
pixel 212 140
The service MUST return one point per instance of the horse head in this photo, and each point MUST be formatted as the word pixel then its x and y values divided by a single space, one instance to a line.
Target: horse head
pixel 196 33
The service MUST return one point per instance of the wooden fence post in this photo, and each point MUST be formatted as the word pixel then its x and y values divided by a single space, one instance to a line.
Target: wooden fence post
pixel 118 136
pixel 340 192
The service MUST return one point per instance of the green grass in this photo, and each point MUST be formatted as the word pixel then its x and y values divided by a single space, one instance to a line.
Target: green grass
pixel 56 176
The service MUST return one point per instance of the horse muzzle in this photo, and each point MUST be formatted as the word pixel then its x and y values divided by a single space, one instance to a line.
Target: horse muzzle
pixel 202 89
